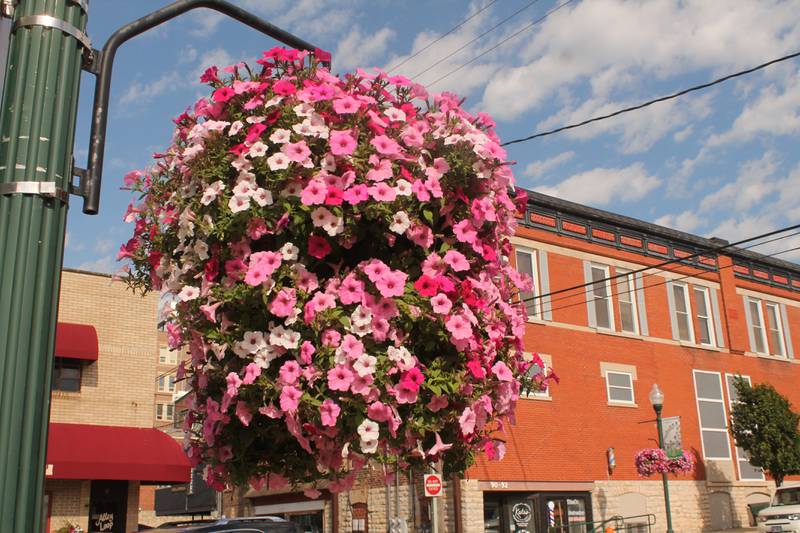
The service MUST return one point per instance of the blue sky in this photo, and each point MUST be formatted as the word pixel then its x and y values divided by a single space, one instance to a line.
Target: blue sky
pixel 723 162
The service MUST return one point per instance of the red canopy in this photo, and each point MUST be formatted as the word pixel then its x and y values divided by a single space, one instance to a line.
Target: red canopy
pixel 76 341
pixel 82 451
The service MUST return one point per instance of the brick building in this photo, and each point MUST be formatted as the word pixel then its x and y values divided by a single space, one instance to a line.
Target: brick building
pixel 102 444
pixel 690 327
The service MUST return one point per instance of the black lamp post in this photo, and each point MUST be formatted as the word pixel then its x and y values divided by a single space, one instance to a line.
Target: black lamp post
pixel 657 399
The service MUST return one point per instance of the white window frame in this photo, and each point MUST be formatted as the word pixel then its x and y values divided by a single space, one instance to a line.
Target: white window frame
pixel 762 325
pixel 700 421
pixel 737 448
pixel 689 314
pixel 631 292
pixel 169 412
pixel 779 323
pixel 537 304
pixel 162 383
pixel 159 411
pixel 609 295
pixel 545 394
pixel 709 318
pixel 170 383
pixel 609 387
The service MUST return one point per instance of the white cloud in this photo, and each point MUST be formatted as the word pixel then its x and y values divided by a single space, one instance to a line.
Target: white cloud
pixel 358 50
pixel 105 264
pixel 537 168
pixel 754 183
pixel 683 134
pixel 624 44
pixel 601 186
pixel 103 246
pixel 205 22
pixel 218 57
pixel 687 221
pixel 140 92
pixel 775 112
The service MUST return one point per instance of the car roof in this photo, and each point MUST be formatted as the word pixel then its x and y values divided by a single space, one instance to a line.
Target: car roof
pixel 794 485
pixel 268 523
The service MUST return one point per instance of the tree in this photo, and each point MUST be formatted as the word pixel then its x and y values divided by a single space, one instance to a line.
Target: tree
pixel 764 425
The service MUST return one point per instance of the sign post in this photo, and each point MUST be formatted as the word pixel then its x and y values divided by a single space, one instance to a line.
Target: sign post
pixel 433 489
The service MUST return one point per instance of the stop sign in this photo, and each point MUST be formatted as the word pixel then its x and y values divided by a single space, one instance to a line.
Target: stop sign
pixel 433 485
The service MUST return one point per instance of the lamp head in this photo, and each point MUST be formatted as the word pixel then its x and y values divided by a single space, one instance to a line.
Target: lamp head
pixel 656 396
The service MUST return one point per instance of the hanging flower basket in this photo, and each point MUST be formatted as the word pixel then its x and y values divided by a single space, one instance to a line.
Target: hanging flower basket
pixel 336 252
pixel 651 461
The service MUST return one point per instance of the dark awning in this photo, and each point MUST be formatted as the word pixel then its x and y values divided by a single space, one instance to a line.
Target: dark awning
pixel 76 341
pixel 82 451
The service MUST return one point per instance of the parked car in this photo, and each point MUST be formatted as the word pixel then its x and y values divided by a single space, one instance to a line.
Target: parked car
pixel 257 524
pixel 783 513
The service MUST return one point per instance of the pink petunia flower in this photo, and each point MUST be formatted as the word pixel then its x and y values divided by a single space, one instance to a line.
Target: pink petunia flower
pixel 392 284
pixel 339 378
pixel 502 372
pixel 384 145
pixel 351 290
pixel 342 142
pixel 306 351
pixel 383 192
pixel 314 193
pixel 290 399
pixel 297 152
pixel 441 304
pixel 426 285
pixel 346 105
pixel 456 260
pixel 329 412
pixel 251 373
pixel 289 372
pixel 283 303
pixel 459 327
pixel 467 422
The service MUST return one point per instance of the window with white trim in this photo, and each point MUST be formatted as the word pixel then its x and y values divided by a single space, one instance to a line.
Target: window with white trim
pixel 757 326
pixel 775 329
pixel 746 470
pixel 526 264
pixel 705 321
pixel 766 327
pixel 601 295
pixel 171 383
pixel 619 387
pixel 683 311
pixel 626 289
pixel 534 370
pixel 712 415
pixel 162 383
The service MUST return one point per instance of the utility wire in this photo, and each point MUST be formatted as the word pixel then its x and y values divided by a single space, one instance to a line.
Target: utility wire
pixel 454 28
pixel 490 30
pixel 631 290
pixel 711 250
pixel 624 276
pixel 523 29
pixel 655 101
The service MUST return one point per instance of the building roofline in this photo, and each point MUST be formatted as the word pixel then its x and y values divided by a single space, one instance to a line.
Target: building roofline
pixel 600 215
pixel 87 272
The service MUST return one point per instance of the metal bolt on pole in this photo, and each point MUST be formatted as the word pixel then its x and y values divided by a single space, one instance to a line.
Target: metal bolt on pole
pixel 37 128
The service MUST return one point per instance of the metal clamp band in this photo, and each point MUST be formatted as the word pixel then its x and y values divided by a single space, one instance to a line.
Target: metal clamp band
pixel 51 22
pixel 47 189
pixel 83 4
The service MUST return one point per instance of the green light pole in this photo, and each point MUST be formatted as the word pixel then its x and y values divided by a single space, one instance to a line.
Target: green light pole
pixel 657 399
pixel 37 128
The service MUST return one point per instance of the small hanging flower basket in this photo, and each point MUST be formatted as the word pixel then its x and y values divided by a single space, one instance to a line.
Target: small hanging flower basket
pixel 336 250
pixel 651 461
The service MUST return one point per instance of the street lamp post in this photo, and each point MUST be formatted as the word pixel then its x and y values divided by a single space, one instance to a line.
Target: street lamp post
pixel 657 399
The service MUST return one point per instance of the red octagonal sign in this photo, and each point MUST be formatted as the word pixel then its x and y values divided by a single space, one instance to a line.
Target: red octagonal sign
pixel 433 485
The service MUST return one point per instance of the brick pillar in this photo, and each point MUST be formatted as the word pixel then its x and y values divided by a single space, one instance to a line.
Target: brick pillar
pixel 732 307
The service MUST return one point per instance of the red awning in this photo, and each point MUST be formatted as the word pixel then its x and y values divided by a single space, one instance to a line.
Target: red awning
pixel 76 341
pixel 82 451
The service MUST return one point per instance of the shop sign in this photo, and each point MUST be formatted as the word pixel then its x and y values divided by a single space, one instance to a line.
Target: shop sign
pixel 433 485
pixel 521 514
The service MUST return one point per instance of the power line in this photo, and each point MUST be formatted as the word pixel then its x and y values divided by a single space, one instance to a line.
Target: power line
pixel 622 278
pixel 655 101
pixel 523 29
pixel 711 250
pixel 454 28
pixel 490 30
pixel 631 290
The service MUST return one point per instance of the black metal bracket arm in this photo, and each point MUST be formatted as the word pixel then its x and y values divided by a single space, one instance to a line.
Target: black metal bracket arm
pixel 102 64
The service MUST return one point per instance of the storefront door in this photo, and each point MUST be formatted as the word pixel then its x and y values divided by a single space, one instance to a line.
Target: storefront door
pixel 536 512
pixel 108 505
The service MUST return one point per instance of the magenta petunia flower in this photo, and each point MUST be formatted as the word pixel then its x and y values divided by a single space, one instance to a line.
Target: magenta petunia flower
pixel 342 142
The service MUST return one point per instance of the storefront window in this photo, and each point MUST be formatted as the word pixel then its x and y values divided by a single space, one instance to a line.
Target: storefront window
pixel 67 375
pixel 536 512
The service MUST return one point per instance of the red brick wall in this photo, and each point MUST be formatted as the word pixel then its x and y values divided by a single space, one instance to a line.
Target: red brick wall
pixel 565 439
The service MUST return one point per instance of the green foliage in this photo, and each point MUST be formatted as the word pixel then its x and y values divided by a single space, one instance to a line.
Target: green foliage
pixel 764 425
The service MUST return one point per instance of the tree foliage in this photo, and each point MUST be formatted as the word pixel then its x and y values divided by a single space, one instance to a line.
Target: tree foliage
pixel 764 425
